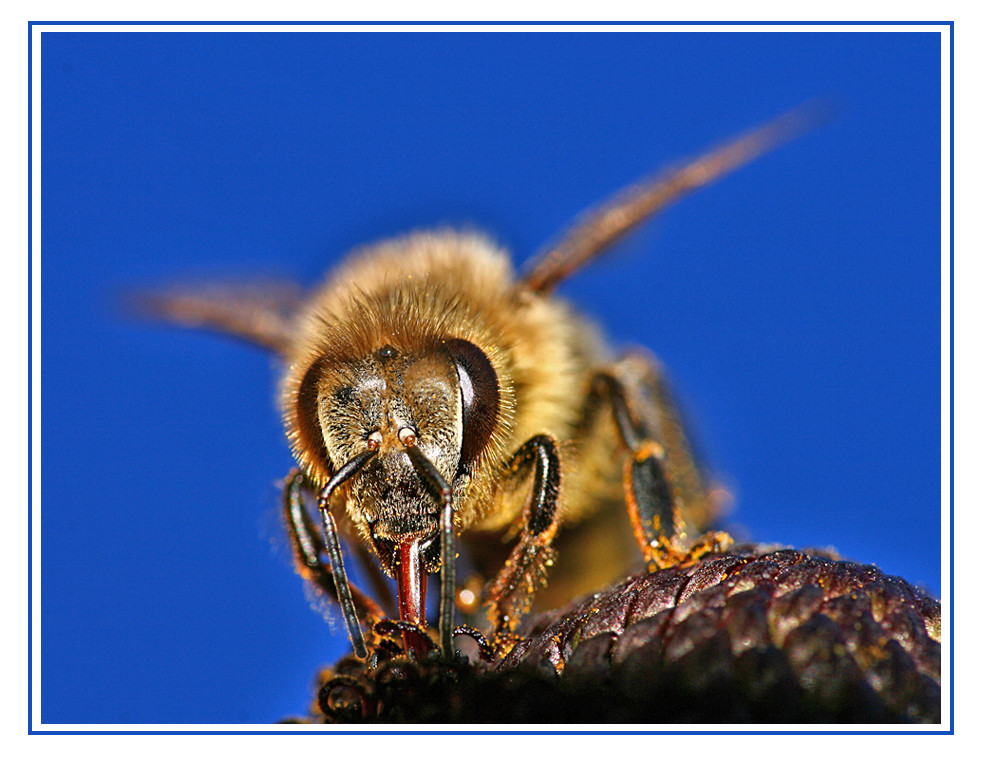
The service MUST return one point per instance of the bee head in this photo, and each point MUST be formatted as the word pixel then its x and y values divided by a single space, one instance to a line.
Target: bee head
pixel 425 414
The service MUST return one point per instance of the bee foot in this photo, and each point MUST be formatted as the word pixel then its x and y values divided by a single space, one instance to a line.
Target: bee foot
pixel 670 552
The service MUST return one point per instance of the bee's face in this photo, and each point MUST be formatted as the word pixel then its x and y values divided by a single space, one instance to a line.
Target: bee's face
pixel 442 399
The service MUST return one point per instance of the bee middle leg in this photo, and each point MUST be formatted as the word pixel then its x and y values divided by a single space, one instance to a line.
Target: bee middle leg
pixel 663 485
pixel 509 595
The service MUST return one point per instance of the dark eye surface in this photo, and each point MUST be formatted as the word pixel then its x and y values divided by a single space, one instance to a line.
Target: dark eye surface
pixel 479 396
pixel 309 443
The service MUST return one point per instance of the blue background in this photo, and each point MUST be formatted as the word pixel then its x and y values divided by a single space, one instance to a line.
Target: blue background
pixel 796 303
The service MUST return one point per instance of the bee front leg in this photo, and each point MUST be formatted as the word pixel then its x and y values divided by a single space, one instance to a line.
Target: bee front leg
pixel 308 545
pixel 663 485
pixel 509 596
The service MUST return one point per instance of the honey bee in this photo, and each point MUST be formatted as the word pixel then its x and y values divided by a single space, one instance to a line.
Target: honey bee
pixel 432 394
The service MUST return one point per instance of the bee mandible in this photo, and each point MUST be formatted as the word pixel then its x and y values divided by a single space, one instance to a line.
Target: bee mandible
pixel 432 394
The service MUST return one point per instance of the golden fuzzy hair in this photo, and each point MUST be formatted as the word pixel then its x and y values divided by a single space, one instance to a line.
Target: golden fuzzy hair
pixel 426 288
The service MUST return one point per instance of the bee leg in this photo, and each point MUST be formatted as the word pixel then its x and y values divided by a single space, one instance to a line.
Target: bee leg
pixel 307 548
pixel 662 482
pixel 509 596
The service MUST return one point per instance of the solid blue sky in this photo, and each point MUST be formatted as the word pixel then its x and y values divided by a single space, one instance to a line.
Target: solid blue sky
pixel 796 303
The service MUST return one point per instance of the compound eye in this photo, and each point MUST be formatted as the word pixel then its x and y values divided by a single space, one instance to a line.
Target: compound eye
pixel 309 444
pixel 479 397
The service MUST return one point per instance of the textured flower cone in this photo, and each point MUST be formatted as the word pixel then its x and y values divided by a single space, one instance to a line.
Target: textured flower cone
pixel 747 636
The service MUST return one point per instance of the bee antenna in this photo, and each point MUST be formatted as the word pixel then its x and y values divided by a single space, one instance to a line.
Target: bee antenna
pixel 441 490
pixel 333 545
pixel 602 226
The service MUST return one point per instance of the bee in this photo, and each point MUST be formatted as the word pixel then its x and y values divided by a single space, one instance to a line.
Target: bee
pixel 432 394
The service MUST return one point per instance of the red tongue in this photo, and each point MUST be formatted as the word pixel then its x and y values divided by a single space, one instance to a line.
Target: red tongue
pixel 412 594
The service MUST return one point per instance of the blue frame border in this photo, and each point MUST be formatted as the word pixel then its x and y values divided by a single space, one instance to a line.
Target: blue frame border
pixel 951 317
